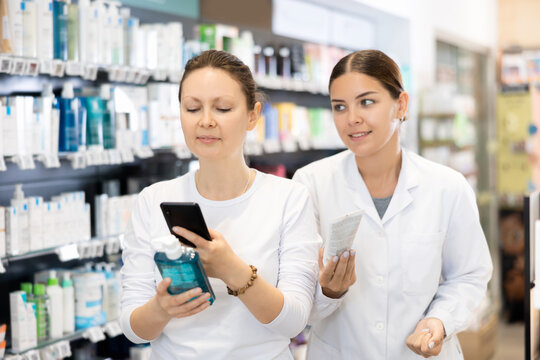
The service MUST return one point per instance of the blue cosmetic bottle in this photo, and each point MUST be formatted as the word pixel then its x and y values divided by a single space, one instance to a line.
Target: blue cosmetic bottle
pixel 60 40
pixel 182 265
pixel 69 122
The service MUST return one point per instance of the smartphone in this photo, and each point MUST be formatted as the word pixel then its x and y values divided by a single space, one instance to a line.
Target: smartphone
pixel 187 215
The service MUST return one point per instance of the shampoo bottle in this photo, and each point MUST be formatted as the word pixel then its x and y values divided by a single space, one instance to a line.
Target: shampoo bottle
pixel 182 265
pixel 109 123
pixel 69 124
pixel 68 297
pixel 60 38
pixel 41 299
pixel 56 309
pixel 72 27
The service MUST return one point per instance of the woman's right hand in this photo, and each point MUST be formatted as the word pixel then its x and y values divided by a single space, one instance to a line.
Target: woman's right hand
pixel 338 275
pixel 178 306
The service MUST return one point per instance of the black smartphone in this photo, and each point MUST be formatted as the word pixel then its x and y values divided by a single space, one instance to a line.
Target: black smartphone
pixel 187 215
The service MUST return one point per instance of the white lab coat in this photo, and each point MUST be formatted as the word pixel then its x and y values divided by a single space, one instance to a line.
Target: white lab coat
pixel 427 257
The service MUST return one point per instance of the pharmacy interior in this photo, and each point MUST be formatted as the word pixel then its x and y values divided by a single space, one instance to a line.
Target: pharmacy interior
pixel 89 116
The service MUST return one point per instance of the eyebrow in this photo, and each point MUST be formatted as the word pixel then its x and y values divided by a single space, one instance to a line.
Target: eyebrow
pixel 359 96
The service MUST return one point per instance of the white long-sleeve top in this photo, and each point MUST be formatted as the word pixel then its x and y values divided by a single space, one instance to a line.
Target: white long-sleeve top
pixel 427 257
pixel 271 226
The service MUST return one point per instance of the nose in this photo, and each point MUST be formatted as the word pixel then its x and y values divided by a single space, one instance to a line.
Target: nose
pixel 354 117
pixel 207 120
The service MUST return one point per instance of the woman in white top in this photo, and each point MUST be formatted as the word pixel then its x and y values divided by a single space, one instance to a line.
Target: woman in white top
pixel 254 219
pixel 420 264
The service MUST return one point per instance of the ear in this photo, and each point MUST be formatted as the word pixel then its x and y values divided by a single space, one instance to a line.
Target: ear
pixel 403 104
pixel 254 116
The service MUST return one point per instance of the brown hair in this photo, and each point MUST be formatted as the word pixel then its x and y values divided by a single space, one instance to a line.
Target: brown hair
pixel 373 63
pixel 232 65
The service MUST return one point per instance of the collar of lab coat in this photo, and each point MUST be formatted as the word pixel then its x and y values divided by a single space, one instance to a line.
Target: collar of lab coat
pixel 409 177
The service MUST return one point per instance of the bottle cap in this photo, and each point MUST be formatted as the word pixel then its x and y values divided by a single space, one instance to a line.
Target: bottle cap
pixel 52 280
pixel 105 91
pixel 168 244
pixel 39 289
pixel 47 90
pixel 66 281
pixel 67 91
pixel 18 194
pixel 26 287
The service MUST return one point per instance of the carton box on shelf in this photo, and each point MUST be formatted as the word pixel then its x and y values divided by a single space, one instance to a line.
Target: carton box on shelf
pixel 480 344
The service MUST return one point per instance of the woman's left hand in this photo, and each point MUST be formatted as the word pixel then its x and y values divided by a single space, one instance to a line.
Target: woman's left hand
pixel 427 338
pixel 217 257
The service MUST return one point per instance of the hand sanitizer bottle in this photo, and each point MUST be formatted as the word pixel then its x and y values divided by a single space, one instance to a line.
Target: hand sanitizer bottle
pixel 182 265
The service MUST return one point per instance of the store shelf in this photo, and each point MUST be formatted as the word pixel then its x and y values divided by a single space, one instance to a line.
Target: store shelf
pixel 95 247
pixel 13 65
pixel 94 334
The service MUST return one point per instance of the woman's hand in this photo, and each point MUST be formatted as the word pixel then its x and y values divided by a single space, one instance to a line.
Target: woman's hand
pixel 427 338
pixel 218 259
pixel 177 306
pixel 338 275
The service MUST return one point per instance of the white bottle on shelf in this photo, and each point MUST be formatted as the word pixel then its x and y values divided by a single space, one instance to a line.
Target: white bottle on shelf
pixel 16 25
pixel 29 28
pixel 68 303
pixel 23 231
pixel 56 317
pixel 44 30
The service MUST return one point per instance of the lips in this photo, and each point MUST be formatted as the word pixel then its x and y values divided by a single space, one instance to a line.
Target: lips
pixel 207 139
pixel 359 135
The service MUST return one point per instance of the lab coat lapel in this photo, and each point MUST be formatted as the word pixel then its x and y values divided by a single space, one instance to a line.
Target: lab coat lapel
pixel 362 198
pixel 408 179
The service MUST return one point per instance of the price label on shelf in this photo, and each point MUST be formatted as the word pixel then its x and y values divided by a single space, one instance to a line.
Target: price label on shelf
pixel 74 68
pixel 94 334
pixel 112 245
pixel 31 355
pixel 90 72
pixel 64 349
pixel 131 75
pixel 98 248
pixel 46 67
pixel 58 68
pixel 2 268
pixel 113 156
pixel 19 66
pixel 127 155
pixel 6 64
pixel 2 164
pixel 32 67
pixel 68 252
pixel 112 329
pixel 78 160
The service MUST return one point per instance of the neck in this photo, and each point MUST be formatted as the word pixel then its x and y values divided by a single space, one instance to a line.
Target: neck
pixel 380 171
pixel 222 180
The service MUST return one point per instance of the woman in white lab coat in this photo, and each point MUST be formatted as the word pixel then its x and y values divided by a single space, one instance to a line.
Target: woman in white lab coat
pixel 420 264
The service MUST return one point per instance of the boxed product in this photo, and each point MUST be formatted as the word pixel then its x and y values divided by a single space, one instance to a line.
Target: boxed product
pixel 480 344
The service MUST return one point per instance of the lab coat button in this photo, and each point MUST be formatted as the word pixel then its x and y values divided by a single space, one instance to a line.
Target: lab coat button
pixel 379 326
pixel 379 279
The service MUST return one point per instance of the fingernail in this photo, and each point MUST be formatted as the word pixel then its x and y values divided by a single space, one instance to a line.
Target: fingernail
pixel 431 345
pixel 197 290
pixel 176 228
pixel 426 329
pixel 353 252
pixel 335 259
pixel 345 254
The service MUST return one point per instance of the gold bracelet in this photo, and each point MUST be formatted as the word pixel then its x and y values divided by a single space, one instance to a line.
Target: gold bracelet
pixel 249 283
